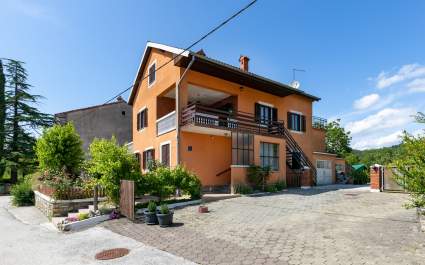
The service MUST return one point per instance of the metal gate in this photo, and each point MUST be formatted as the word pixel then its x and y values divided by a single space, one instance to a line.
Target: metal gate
pixel 127 199
pixel 389 182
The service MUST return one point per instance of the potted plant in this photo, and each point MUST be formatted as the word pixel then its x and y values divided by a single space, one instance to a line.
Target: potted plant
pixel 165 216
pixel 150 214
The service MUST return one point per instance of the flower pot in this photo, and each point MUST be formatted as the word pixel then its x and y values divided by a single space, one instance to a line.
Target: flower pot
pixel 165 219
pixel 203 209
pixel 150 218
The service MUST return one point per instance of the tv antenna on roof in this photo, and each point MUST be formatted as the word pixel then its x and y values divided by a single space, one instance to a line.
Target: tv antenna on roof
pixel 295 84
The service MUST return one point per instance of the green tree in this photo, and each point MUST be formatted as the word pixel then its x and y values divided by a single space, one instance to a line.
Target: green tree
pixel 21 120
pixel 60 149
pixel 2 119
pixel 411 169
pixel 337 139
pixel 110 163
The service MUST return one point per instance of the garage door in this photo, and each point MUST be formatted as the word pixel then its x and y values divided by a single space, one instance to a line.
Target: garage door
pixel 324 172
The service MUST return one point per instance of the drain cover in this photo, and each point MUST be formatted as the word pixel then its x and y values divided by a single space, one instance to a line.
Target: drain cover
pixel 112 253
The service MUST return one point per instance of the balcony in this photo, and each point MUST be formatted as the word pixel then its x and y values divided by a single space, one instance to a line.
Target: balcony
pixel 202 116
pixel 319 123
pixel 166 123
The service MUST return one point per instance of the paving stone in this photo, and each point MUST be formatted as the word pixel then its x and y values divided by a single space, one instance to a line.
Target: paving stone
pixel 316 226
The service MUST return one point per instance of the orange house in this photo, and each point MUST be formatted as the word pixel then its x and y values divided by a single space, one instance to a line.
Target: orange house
pixel 217 119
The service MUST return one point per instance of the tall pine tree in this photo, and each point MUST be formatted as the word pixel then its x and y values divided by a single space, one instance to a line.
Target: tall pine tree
pixel 21 120
pixel 2 119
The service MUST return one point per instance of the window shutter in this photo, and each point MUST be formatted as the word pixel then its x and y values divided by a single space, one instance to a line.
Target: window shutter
pixel 145 120
pixel 257 112
pixel 289 121
pixel 274 114
pixel 303 123
pixel 153 154
pixel 144 160
pixel 138 121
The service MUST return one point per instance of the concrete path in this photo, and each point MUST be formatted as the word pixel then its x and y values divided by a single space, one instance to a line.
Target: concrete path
pixel 325 225
pixel 26 237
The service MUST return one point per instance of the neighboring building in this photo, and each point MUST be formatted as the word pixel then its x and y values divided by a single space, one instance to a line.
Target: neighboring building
pixel 216 119
pixel 102 121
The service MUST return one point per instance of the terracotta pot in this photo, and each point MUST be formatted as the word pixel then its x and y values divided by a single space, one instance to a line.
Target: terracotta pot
pixel 203 209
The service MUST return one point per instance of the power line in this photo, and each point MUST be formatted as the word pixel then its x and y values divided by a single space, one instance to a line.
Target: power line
pixel 174 57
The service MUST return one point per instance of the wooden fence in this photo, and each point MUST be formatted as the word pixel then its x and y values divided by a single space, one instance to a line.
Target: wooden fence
pixel 127 199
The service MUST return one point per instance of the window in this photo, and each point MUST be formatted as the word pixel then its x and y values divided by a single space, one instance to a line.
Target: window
pixel 142 119
pixel 269 155
pixel 148 157
pixel 296 122
pixel 242 149
pixel 323 164
pixel 137 155
pixel 339 168
pixel 265 114
pixel 165 154
pixel 152 74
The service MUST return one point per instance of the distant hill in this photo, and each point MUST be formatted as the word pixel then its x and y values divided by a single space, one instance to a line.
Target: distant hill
pixel 382 156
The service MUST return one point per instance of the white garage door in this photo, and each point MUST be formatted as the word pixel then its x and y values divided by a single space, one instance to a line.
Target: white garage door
pixel 324 172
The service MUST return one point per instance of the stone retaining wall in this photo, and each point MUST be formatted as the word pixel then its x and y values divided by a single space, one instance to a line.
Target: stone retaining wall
pixel 56 208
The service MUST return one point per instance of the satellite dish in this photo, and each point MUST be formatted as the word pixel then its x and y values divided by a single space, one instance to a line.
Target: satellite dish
pixel 295 84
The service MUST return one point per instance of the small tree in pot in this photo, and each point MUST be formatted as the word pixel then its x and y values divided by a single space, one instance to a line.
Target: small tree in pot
pixel 150 214
pixel 165 216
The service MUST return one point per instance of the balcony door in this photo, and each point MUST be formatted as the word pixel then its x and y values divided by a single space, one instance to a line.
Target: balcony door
pixel 265 114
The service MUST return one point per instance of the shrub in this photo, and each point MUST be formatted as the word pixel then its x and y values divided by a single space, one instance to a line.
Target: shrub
pixel 152 207
pixel 163 209
pixel 258 176
pixel 242 189
pixel 60 149
pixel 360 177
pixel 83 216
pixel 22 193
pixel 280 185
pixel 271 188
pixel 109 164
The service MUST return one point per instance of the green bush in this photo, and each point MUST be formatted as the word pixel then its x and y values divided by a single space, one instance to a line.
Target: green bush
pixel 109 164
pixel 280 185
pixel 152 207
pixel 242 189
pixel 163 182
pixel 271 188
pixel 22 193
pixel 360 177
pixel 60 149
pixel 258 176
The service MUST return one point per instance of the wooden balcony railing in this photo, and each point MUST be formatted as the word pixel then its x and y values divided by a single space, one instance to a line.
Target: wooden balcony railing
pixel 233 121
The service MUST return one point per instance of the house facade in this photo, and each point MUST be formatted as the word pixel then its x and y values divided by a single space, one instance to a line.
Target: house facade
pixel 217 119
pixel 102 121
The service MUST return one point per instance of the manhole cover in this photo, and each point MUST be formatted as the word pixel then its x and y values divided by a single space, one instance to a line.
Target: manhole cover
pixel 112 253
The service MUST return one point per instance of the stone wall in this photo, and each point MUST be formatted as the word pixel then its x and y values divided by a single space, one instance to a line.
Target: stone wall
pixel 55 208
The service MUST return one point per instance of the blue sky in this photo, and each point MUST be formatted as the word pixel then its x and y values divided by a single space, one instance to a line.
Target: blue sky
pixel 365 59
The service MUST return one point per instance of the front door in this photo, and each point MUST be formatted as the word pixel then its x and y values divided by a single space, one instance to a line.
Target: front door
pixel 324 172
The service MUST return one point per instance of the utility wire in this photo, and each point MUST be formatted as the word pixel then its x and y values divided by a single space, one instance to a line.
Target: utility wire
pixel 174 57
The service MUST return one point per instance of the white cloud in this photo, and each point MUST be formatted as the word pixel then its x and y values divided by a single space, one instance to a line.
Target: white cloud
pixel 379 141
pixel 366 101
pixel 406 72
pixel 386 118
pixel 417 85
pixel 27 8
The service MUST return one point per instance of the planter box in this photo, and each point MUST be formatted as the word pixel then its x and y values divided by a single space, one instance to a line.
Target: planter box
pixel 56 208
pixel 85 223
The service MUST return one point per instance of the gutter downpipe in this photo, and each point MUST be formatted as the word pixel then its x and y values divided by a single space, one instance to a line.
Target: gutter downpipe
pixel 178 107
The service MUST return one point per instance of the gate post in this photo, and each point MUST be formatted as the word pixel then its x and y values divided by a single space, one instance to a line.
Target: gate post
pixel 375 178
pixel 127 199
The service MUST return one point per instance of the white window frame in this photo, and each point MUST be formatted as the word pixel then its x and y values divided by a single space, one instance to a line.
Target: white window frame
pixel 149 67
pixel 324 160
pixel 160 151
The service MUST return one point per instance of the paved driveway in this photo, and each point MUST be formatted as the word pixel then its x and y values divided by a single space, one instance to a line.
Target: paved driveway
pixel 318 226
pixel 27 238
